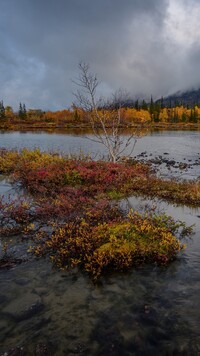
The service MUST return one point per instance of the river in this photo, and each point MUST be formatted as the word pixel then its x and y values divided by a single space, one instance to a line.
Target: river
pixel 148 311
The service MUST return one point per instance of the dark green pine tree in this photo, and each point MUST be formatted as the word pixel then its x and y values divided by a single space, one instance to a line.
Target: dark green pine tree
pixel 22 111
pixel 184 117
pixel 193 115
pixel 144 105
pixel 162 105
pixel 157 108
pixel 137 105
pixel 2 110
pixel 151 107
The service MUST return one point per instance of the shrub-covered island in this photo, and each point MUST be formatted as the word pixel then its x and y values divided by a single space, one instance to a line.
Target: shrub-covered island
pixel 69 209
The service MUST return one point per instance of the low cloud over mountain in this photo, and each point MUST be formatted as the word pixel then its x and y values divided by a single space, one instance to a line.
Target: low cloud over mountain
pixel 144 46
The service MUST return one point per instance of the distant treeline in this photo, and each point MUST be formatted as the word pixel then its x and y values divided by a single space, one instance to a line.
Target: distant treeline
pixel 131 112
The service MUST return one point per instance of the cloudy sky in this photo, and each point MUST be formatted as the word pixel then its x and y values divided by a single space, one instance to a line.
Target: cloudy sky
pixel 144 46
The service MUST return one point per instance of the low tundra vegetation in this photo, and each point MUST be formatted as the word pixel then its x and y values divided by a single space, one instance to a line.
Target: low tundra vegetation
pixel 47 174
pixel 112 245
pixel 70 211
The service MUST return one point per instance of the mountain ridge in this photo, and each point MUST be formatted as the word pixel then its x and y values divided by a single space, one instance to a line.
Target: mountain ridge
pixel 188 98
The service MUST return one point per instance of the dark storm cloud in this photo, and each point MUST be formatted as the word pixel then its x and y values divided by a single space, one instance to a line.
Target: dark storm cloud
pixel 127 43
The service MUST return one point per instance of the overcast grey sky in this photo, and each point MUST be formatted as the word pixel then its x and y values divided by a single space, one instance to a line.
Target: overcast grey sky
pixel 144 46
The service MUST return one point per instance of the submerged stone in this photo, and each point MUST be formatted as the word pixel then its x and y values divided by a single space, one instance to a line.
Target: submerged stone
pixel 24 308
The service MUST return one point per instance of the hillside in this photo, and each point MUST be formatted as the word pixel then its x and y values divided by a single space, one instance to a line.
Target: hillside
pixel 188 98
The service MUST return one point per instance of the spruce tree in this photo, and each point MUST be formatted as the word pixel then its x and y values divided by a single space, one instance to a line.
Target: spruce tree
pixel 137 105
pixel 151 107
pixel 144 105
pixel 22 111
pixel 2 110
pixel 162 105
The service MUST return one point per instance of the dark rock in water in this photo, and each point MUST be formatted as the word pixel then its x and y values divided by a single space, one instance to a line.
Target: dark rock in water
pixel 22 281
pixel 182 166
pixel 78 348
pixel 148 315
pixel 24 308
pixel 171 162
pixel 30 312
pixel 8 262
pixel 111 342
pixel 42 350
pixel 3 298
pixel 156 161
pixel 166 153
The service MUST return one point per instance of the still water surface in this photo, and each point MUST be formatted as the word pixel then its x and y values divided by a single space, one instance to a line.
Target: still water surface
pixel 179 144
pixel 182 146
pixel 149 311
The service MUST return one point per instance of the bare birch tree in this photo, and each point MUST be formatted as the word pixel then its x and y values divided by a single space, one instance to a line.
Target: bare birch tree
pixel 107 125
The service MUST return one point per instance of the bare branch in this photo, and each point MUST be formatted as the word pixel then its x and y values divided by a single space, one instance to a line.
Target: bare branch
pixel 106 124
